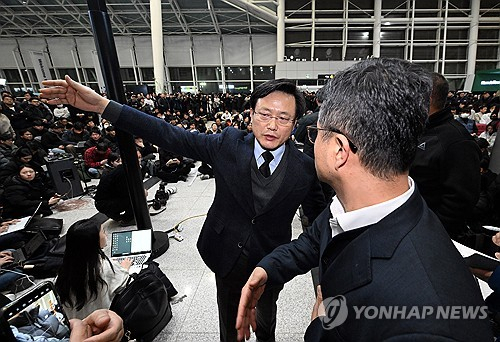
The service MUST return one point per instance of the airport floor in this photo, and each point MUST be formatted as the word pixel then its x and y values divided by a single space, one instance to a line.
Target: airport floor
pixel 195 316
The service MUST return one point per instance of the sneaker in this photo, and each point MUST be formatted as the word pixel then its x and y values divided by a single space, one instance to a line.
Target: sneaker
pixel 21 284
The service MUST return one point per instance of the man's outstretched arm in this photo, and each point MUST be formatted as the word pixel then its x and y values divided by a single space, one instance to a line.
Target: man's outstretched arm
pixel 73 93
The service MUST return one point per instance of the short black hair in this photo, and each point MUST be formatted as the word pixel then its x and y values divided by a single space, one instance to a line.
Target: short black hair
pixel 282 85
pixel 95 130
pixel 102 147
pixel 78 126
pixel 113 156
pixel 440 89
pixel 23 152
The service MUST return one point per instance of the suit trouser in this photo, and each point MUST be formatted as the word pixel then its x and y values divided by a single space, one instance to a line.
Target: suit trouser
pixel 228 298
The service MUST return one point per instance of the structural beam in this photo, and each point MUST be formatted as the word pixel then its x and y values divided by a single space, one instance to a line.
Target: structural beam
pixel 258 12
pixel 180 17
pixel 213 16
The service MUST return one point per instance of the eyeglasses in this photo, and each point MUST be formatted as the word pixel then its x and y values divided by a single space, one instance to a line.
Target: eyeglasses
pixel 312 134
pixel 265 118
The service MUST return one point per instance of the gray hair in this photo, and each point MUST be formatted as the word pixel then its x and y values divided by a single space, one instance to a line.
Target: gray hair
pixel 381 105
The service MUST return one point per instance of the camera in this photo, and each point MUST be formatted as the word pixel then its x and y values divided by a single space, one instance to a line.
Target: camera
pixel 162 195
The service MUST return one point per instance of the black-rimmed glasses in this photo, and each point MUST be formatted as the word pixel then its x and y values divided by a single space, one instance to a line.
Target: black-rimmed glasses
pixel 312 134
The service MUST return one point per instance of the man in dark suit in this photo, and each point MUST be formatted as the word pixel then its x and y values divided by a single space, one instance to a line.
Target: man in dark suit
pixel 261 181
pixel 382 253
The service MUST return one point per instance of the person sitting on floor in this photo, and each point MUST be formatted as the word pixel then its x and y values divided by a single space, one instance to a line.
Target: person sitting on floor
pixel 24 192
pixel 88 280
pixel 7 148
pixel 95 159
pixel 173 167
pixel 112 196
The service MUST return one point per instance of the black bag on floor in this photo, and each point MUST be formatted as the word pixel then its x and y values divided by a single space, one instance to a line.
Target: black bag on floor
pixel 47 260
pixel 144 304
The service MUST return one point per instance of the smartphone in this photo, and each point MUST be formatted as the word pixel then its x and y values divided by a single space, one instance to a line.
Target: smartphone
pixel 37 315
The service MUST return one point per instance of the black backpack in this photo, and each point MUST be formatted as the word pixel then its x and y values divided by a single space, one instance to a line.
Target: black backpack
pixel 144 304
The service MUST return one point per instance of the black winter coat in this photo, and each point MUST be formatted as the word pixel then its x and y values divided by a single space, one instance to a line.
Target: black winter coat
pixel 20 198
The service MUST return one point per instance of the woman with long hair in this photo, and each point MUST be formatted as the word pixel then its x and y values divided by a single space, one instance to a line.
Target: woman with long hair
pixel 88 280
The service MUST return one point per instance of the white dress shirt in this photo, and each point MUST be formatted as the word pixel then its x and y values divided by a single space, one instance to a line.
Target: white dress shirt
pixel 342 221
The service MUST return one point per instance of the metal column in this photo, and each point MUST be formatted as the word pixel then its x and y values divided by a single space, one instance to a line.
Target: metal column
pixel 377 28
pixel 280 31
pixel 157 45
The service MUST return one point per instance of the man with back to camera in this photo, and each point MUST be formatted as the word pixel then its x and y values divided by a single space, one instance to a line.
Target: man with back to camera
pixel 378 244
pixel 446 165
pixel 261 180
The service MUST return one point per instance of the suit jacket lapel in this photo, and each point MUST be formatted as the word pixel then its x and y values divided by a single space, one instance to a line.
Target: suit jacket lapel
pixel 244 155
pixel 349 254
pixel 338 258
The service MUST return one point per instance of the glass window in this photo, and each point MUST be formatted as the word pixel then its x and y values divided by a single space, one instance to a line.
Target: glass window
pixel 485 66
pixel 423 52
pixel 298 53
pixel 328 53
pixel 297 36
pixel 392 35
pixel 127 74
pixel 426 4
pixel 364 36
pixel 330 35
pixel 485 34
pixel 70 72
pixel 487 52
pixel 392 51
pixel 427 66
pixel 208 73
pixel 456 83
pixel 456 34
pixel 456 52
pixel 358 52
pixel 12 75
pixel 454 68
pixel 237 73
pixel 181 74
pixel 91 74
pixel 263 72
pixel 425 35
pixel 148 74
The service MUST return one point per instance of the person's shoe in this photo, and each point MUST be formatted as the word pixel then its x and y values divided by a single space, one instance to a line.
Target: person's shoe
pixel 22 284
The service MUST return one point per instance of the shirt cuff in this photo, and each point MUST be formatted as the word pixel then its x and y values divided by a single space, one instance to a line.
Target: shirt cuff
pixel 112 111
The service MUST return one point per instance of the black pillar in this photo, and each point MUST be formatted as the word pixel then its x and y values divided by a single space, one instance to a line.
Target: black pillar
pixel 108 58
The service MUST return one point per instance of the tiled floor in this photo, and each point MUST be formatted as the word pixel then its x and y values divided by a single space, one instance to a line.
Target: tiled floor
pixel 195 310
